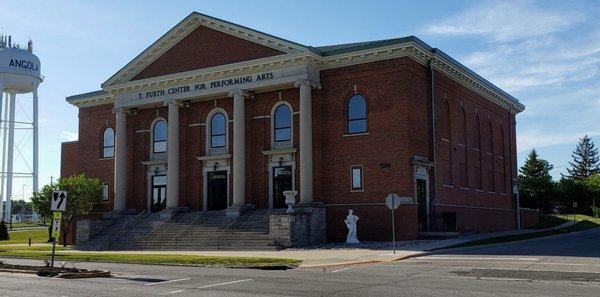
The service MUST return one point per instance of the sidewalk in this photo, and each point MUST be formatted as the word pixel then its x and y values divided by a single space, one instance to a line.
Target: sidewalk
pixel 347 255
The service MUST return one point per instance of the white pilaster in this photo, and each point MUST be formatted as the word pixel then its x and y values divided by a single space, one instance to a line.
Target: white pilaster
pixel 173 155
pixel 306 155
pixel 239 154
pixel 119 188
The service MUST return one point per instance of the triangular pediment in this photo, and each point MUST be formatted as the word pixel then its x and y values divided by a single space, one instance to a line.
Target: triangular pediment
pixel 200 41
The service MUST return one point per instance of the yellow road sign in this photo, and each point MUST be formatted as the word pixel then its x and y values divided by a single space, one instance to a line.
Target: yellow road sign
pixel 56 224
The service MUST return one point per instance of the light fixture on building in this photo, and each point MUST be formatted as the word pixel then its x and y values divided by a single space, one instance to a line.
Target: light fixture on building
pixel 280 161
pixel 215 166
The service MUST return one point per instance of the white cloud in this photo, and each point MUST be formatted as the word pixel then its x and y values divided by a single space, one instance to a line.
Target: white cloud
pixel 506 21
pixel 68 135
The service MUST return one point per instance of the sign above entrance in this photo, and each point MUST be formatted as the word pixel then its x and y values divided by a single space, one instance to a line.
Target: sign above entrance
pixel 250 81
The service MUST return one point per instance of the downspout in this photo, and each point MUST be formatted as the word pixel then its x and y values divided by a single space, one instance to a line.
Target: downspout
pixel 432 133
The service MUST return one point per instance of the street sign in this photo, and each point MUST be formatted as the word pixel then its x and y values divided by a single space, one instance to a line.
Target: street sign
pixel 56 224
pixel 59 201
pixel 392 200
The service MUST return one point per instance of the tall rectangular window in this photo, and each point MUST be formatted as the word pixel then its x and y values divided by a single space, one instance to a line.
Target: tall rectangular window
pixel 356 177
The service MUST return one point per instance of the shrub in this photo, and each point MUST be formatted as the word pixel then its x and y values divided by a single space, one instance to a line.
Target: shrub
pixel 3 231
pixel 595 211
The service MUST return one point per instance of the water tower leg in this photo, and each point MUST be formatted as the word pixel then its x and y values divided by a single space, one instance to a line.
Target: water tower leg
pixel 35 141
pixel 1 174
pixel 4 130
pixel 9 157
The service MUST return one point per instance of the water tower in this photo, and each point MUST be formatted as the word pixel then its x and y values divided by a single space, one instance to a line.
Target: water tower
pixel 19 74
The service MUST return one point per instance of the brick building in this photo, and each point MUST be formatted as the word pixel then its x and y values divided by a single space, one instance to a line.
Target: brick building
pixel 214 116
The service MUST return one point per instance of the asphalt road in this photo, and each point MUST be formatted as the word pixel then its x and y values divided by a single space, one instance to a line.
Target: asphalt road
pixel 567 265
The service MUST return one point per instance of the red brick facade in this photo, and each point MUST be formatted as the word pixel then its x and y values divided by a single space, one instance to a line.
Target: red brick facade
pixel 475 142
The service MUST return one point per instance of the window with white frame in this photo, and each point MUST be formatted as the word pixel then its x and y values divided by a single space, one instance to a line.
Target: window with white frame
pixel 282 123
pixel 159 137
pixel 108 143
pixel 357 114
pixel 218 131
pixel 105 192
pixel 356 178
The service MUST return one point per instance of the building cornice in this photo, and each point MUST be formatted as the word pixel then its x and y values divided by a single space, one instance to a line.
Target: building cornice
pixel 413 50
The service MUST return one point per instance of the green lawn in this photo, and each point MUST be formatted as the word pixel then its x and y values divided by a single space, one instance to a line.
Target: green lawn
pixel 27 225
pixel 65 254
pixel 39 235
pixel 548 221
pixel 584 223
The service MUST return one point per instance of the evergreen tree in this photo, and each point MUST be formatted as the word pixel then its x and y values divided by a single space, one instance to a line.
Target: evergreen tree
pixel 3 231
pixel 536 188
pixel 585 160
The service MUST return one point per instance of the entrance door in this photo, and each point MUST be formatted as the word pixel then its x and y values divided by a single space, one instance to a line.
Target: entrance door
pixel 216 190
pixel 159 193
pixel 282 181
pixel 422 200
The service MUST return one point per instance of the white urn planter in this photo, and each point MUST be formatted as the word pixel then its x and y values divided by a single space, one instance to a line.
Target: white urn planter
pixel 290 200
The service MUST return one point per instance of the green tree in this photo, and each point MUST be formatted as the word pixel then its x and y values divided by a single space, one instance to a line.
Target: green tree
pixel 83 194
pixel 585 160
pixel 41 204
pixel 536 188
pixel 3 231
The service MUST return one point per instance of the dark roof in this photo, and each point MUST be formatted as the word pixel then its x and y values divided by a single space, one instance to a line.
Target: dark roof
pixel 337 49
pixel 86 95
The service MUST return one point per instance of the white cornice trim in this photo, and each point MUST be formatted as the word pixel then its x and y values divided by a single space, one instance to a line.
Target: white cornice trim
pixel 409 49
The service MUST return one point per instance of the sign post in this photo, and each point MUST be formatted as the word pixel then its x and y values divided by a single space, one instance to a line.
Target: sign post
pixel 58 204
pixel 393 201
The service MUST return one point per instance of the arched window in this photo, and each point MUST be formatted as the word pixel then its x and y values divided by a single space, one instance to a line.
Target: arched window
pixel 159 137
pixel 445 151
pixel 462 149
pixel 502 163
pixel 477 154
pixel 108 143
pixel 357 114
pixel 491 175
pixel 218 131
pixel 282 124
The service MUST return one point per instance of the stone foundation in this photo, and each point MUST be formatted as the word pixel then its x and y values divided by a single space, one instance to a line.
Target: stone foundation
pixel 305 227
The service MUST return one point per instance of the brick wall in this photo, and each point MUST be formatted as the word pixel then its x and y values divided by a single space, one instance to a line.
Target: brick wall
pixel 398 122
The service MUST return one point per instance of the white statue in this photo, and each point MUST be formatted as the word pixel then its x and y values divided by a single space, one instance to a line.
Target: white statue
pixel 351 225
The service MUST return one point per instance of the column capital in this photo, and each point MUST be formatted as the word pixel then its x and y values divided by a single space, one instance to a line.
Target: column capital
pixel 306 83
pixel 171 102
pixel 236 92
pixel 118 110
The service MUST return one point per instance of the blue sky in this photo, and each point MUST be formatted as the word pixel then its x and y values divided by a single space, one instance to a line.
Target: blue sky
pixel 547 53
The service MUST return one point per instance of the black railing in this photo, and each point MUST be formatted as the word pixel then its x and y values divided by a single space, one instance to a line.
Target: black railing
pixel 442 222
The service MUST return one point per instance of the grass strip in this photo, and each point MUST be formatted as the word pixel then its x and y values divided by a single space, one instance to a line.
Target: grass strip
pixel 36 235
pixel 44 252
pixel 580 226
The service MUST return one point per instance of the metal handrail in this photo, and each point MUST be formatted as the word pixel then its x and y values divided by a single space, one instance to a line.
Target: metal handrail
pixel 126 228
pixel 236 220
pixel 157 227
pixel 188 227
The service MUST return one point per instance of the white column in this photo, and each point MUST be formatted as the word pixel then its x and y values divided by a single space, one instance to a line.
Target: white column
pixel 9 156
pixel 239 154
pixel 306 155
pixel 119 188
pixel 35 141
pixel 173 155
